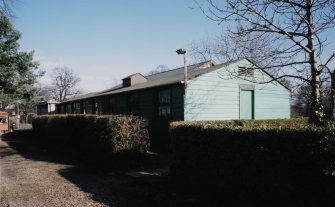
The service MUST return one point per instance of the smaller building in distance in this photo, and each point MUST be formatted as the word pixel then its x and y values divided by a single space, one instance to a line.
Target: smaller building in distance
pixel 46 107
pixel 4 121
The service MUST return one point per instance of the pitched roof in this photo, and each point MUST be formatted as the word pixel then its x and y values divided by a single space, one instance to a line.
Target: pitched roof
pixel 160 79
pixel 48 102
pixel 80 97
pixel 176 71
pixel 129 76
pixel 170 77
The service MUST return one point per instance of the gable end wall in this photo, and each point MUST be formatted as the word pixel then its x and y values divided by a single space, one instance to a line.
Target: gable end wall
pixel 216 95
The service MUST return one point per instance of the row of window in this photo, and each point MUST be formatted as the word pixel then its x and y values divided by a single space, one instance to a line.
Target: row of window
pixel 133 106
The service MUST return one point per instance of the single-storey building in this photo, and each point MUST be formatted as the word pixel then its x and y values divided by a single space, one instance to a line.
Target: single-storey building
pixel 230 91
pixel 46 107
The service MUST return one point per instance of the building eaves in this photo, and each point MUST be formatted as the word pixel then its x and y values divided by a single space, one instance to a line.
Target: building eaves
pixel 166 81
pixel 150 84
pixel 170 80
pixel 150 78
pixel 80 97
pixel 175 79
pixel 47 102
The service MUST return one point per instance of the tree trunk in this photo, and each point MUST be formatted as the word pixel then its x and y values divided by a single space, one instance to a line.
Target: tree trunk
pixel 332 96
pixel 316 111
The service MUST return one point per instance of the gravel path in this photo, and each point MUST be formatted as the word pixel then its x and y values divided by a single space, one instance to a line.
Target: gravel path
pixel 26 182
pixel 30 176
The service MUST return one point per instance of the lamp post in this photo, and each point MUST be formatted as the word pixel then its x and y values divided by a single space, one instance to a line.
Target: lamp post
pixel 183 52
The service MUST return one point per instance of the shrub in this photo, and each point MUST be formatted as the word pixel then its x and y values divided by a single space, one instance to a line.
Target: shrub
pixel 159 136
pixel 252 157
pixel 98 136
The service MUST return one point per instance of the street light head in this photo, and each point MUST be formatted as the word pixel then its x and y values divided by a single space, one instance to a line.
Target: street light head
pixel 181 51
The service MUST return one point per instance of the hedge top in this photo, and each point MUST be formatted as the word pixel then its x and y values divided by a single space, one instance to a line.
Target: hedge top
pixel 294 124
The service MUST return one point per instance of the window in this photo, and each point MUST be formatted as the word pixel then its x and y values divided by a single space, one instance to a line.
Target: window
pixel 247 72
pixel 61 109
pixel 100 106
pixel 69 108
pixel 126 82
pixel 77 108
pixel 112 105
pixel 88 107
pixel 164 103
pixel 3 119
pixel 133 104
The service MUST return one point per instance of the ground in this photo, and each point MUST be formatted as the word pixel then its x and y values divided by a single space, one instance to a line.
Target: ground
pixel 33 176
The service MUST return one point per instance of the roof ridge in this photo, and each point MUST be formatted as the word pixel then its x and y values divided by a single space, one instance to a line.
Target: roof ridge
pixel 153 83
pixel 180 67
pixel 116 88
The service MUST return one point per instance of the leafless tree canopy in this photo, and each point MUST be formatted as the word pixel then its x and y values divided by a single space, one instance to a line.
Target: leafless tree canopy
pixel 6 7
pixel 297 26
pixel 64 84
pixel 45 92
pixel 227 47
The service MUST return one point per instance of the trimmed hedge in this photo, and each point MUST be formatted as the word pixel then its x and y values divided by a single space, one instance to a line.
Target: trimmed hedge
pixel 95 136
pixel 253 158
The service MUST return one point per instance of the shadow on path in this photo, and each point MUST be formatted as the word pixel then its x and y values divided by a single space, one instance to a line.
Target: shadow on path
pixel 109 187
pixel 21 142
pixel 117 189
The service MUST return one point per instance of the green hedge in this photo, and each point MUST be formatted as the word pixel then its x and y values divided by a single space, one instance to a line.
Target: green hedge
pixel 252 158
pixel 95 136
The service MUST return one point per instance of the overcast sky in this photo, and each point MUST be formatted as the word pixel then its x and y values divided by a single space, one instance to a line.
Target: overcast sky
pixel 106 40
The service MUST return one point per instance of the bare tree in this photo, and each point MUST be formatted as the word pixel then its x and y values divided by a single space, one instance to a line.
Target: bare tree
pixel 205 50
pixel 301 97
pixel 6 7
pixel 227 47
pixel 297 26
pixel 330 70
pixel 45 92
pixel 64 84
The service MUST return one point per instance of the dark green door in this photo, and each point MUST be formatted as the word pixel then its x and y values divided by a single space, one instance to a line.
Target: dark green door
pixel 246 104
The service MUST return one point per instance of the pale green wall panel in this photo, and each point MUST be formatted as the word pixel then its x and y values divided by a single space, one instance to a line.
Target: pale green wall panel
pixel 216 96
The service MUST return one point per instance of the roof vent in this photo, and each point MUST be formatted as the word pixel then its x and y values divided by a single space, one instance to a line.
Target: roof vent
pixel 133 80
pixel 205 65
